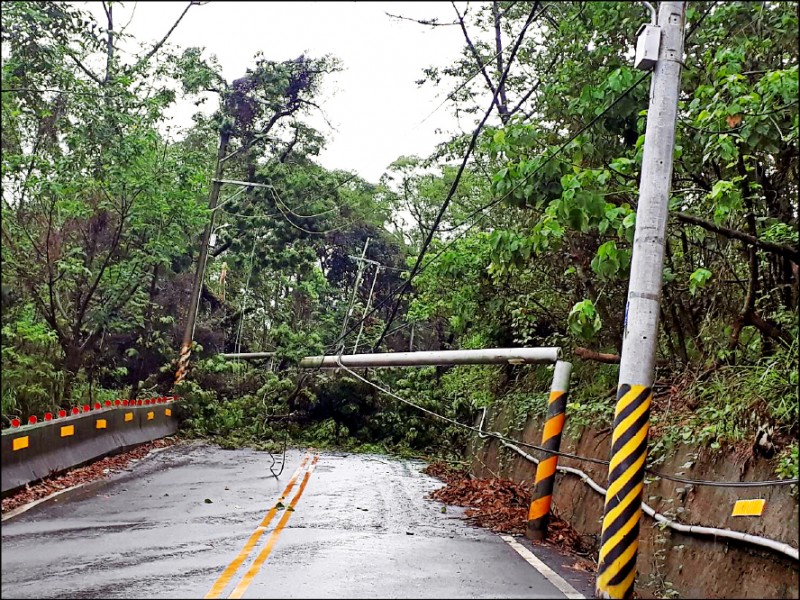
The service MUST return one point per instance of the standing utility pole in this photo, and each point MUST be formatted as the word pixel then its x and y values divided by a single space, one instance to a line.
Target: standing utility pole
pixel 616 569
pixel 360 260
pixel 188 334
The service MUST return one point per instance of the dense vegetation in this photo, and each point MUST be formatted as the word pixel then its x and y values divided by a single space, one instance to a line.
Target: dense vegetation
pixel 103 207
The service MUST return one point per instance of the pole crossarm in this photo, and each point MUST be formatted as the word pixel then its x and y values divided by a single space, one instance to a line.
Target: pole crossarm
pixel 488 356
pixel 244 183
pixel 248 355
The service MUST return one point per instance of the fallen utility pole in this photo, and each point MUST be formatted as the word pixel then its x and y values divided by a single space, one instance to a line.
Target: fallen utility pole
pixel 616 568
pixel 489 356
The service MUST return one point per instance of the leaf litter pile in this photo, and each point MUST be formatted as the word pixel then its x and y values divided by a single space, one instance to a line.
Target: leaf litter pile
pixel 502 506
pixel 91 472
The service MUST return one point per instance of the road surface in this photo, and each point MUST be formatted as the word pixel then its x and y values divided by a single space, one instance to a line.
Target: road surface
pixel 198 521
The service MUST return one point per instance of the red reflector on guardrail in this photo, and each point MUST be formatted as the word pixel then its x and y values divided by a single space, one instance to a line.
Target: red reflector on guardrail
pixel 139 403
pixel 62 413
pixel 15 422
pixel 75 411
pixel 97 406
pixel 48 416
pixel 108 402
pixel 117 402
pixel 86 408
pixel 32 420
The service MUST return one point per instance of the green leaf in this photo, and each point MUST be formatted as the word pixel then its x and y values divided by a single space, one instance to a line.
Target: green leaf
pixel 698 280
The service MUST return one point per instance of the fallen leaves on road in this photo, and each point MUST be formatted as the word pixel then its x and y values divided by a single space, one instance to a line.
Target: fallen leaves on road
pixel 498 504
pixel 91 472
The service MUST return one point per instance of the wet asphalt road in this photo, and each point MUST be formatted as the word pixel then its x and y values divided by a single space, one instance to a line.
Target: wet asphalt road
pixel 362 528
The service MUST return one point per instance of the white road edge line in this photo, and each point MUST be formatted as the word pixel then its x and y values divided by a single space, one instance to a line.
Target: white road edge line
pixel 26 507
pixel 549 574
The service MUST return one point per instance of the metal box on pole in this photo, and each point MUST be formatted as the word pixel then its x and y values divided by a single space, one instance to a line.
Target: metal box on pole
pixel 648 42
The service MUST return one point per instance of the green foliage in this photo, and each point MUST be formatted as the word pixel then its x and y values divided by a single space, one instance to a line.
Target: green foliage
pixel 788 463
pixel 584 321
pixel 102 213
pixel 698 279
pixel 30 381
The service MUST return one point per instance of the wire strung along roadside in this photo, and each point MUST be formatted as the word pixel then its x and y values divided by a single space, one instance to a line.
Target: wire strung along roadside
pixel 481 210
pixel 578 457
pixel 487 207
pixel 457 180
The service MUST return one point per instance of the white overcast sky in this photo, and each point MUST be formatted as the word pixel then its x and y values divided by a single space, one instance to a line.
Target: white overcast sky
pixel 374 103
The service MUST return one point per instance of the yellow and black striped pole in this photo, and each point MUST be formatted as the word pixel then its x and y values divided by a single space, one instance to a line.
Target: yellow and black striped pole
pixel 183 363
pixel 539 513
pixel 619 541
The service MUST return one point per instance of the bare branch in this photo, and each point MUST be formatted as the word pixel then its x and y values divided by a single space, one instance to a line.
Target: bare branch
pixel 429 22
pixel 787 251
pixel 476 56
pixel 83 68
pixel 587 354
pixel 157 47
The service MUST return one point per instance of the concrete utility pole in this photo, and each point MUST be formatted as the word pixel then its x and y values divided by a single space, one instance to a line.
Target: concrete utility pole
pixel 616 569
pixel 213 198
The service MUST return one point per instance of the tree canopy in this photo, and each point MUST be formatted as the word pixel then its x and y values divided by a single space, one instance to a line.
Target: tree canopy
pixel 516 233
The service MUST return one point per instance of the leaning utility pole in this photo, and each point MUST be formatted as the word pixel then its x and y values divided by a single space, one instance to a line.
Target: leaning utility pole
pixel 188 334
pixel 616 569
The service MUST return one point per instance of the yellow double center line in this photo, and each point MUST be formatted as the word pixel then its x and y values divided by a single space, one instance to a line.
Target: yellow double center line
pixel 226 576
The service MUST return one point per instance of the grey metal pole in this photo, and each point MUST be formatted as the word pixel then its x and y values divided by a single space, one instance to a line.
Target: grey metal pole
pixel 248 355
pixel 616 570
pixel 366 308
pixel 487 356
pixel 539 512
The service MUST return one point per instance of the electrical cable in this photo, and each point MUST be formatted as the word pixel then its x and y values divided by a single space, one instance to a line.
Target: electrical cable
pixel 497 201
pixel 283 458
pixel 715 532
pixel 279 203
pixel 489 206
pixel 501 437
pixel 457 179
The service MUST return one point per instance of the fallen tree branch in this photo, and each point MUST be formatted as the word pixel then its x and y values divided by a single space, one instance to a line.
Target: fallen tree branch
pixel 587 354
pixel 609 359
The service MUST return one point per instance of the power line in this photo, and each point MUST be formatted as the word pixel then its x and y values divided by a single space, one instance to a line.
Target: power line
pixel 533 14
pixel 495 202
pixel 490 206
pixel 599 461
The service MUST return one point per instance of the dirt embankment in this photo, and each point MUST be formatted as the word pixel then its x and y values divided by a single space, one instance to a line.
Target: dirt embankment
pixel 672 564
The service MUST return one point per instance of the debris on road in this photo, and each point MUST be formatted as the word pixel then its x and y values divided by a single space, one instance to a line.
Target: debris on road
pixel 91 472
pixel 498 504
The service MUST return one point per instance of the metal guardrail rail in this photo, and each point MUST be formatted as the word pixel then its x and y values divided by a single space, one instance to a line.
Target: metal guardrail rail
pixel 35 451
